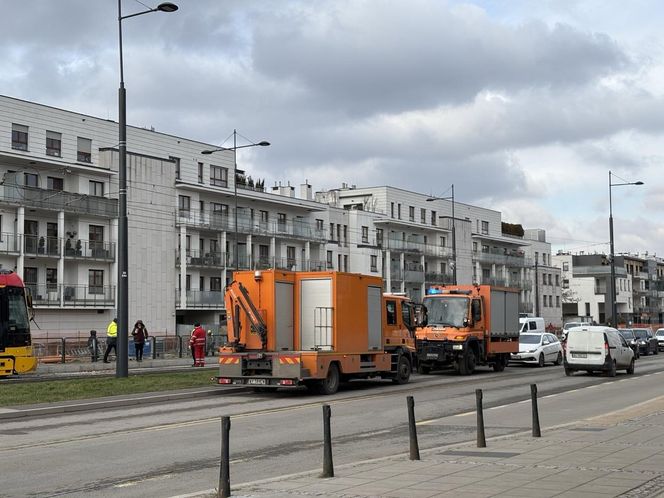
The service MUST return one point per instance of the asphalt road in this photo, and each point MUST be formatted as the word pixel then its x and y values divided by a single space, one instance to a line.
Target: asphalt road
pixel 170 449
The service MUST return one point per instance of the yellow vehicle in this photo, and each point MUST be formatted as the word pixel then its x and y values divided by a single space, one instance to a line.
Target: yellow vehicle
pixel 16 354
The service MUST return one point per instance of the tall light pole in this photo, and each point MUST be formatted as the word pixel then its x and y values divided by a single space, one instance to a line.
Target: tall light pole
pixel 234 149
pixel 614 307
pixel 454 256
pixel 122 366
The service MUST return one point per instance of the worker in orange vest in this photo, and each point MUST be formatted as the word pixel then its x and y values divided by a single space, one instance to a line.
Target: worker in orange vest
pixel 197 343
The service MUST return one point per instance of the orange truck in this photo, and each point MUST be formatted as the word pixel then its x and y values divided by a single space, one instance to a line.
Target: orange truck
pixel 467 326
pixel 314 329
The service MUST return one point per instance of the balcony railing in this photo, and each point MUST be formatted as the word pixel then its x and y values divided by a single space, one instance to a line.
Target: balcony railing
pixel 89 249
pixel 501 258
pixel 201 299
pixel 438 278
pixel 413 247
pixel 225 221
pixel 525 307
pixel 34 245
pixel 205 259
pixel 58 200
pixel 9 243
pixel 50 295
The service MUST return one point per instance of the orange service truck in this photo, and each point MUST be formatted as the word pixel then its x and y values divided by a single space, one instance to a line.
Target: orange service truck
pixel 467 326
pixel 314 329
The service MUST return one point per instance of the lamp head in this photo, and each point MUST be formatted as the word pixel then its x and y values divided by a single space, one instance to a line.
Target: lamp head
pixel 263 143
pixel 167 7
pixel 638 183
pixel 207 152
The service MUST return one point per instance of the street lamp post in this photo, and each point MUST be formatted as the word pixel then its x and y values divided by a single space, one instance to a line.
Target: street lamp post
pixel 122 366
pixel 614 307
pixel 454 255
pixel 234 149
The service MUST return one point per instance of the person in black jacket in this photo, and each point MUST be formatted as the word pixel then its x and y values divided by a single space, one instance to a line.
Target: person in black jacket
pixel 140 335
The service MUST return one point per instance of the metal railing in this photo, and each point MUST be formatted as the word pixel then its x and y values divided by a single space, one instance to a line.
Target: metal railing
pixel 205 259
pixel 58 200
pixel 438 278
pixel 52 295
pixel 525 307
pixel 500 258
pixel 293 228
pixel 10 243
pixel 201 299
pixel 89 249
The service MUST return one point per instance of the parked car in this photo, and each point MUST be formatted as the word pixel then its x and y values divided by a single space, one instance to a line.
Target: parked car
pixel 647 341
pixel 570 325
pixel 538 349
pixel 631 339
pixel 660 338
pixel 597 348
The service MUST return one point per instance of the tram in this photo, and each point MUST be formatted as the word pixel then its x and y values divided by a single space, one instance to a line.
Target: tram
pixel 16 353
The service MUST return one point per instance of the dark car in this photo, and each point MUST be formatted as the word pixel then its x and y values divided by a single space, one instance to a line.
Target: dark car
pixel 647 341
pixel 631 339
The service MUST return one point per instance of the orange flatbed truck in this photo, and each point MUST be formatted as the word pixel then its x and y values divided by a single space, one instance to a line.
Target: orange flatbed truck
pixel 314 329
pixel 467 326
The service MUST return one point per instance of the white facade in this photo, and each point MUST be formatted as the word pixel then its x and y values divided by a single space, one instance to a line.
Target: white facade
pixel 543 296
pixel 192 221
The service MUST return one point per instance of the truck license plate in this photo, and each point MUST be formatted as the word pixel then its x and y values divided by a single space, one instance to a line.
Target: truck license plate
pixel 579 355
pixel 257 382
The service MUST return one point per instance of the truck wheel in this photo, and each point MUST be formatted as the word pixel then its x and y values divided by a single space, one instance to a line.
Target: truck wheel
pixel 423 369
pixel 467 364
pixel 500 364
pixel 403 370
pixel 330 384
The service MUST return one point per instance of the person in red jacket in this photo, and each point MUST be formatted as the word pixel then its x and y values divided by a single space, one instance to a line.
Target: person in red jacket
pixel 197 343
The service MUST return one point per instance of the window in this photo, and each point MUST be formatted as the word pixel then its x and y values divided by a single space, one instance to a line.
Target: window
pixel 96 188
pixel 365 235
pixel 339 267
pixel 443 268
pixel 53 143
pixel 379 237
pixel 557 280
pixel 281 222
pixel 433 218
pixel 345 234
pixel 264 254
pixel 442 241
pixel 51 279
pixel 392 209
pixel 96 238
pixel 332 231
pixel 338 232
pixel 176 160
pixel 474 246
pixel 218 176
pixel 201 206
pixel 200 174
pixel 411 213
pixel 565 266
pixel 391 308
pixel 19 137
pixel 290 257
pixel 30 278
pixel 96 281
pixel 399 211
pixel 201 283
pixel 319 225
pixel 184 203
pixel 330 265
pixel 53 183
pixel 557 301
pixel 31 180
pixel 264 216
pixel 84 150
pixel 374 262
pixel 187 283
pixel 550 281
pixel 485 227
pixel 423 215
pixel 485 248
pixel 345 262
pixel 215 284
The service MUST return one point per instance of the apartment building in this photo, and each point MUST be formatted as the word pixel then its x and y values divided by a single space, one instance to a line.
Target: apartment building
pixel 542 295
pixel 586 288
pixel 647 274
pixel 193 220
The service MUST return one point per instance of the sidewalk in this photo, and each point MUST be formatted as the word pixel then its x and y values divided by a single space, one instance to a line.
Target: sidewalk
pixel 619 454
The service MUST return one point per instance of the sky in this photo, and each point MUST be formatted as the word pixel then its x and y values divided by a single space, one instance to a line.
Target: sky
pixel 525 106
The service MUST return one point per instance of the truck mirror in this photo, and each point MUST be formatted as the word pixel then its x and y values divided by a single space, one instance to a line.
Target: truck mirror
pixel 419 316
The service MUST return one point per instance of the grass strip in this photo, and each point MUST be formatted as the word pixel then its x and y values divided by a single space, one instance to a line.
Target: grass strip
pixel 99 387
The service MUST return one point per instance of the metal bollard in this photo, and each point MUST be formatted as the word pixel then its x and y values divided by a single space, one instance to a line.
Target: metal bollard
pixel 64 343
pixel 481 439
pixel 224 490
pixel 328 465
pixel 179 346
pixel 154 348
pixel 536 423
pixel 412 429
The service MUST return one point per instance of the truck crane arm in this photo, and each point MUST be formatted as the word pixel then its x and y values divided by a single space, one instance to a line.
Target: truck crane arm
pixel 239 298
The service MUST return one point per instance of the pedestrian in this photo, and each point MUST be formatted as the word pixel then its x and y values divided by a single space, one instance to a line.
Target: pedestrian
pixel 111 339
pixel 197 343
pixel 210 344
pixel 140 335
pixel 93 346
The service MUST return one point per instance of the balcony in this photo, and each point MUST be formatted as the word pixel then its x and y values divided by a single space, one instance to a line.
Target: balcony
pixel 294 228
pixel 49 295
pixel 203 260
pixel 10 243
pixel 438 278
pixel 522 284
pixel 525 307
pixel 413 247
pixel 414 272
pixel 34 245
pixel 57 200
pixel 89 250
pixel 197 299
pixel 497 257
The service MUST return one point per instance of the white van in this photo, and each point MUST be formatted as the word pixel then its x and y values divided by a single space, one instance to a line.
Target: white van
pixel 597 348
pixel 531 325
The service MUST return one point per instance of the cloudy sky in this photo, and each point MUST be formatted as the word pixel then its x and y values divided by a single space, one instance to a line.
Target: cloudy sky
pixel 524 105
